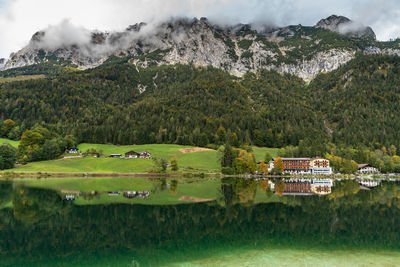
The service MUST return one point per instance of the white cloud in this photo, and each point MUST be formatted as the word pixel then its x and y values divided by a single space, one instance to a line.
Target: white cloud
pixel 19 19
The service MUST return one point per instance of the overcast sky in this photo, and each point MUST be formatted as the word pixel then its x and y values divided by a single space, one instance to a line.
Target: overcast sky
pixel 19 19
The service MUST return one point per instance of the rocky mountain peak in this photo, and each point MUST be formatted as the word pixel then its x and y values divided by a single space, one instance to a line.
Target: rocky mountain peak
pixel 136 27
pixel 37 37
pixel 346 26
pixel 332 23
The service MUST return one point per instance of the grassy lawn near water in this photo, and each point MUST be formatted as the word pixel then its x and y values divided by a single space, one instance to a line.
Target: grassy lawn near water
pixel 202 161
pixel 199 161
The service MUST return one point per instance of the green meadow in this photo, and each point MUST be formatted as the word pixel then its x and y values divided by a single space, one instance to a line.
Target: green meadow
pixel 259 152
pixel 201 160
pixel 11 142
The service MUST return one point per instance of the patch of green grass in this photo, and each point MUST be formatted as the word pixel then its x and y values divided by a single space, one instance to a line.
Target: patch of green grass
pixel 11 142
pixel 204 161
pixel 259 152
pixel 89 164
pixel 156 150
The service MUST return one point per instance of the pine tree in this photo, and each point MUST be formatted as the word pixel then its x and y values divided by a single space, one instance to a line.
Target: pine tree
pixel 227 158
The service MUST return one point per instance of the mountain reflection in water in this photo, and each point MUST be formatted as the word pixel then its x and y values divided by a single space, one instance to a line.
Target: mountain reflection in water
pixel 37 226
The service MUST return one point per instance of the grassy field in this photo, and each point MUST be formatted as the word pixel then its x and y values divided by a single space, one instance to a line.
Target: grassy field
pixel 21 78
pixel 202 161
pixel 185 191
pixel 11 142
pixel 259 152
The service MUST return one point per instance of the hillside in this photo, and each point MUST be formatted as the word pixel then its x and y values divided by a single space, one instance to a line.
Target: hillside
pixel 116 103
pixel 122 104
pixel 304 51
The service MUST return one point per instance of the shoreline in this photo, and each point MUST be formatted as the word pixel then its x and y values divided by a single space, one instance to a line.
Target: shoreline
pixel 16 175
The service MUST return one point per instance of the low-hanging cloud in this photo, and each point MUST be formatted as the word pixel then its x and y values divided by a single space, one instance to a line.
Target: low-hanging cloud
pixel 64 34
pixel 19 19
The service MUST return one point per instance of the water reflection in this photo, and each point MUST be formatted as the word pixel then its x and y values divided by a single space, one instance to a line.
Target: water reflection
pixel 35 221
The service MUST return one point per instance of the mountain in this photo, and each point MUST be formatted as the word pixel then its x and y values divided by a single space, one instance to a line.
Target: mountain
pixel 344 25
pixel 298 50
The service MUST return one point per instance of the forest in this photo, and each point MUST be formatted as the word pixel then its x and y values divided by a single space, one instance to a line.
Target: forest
pixel 356 106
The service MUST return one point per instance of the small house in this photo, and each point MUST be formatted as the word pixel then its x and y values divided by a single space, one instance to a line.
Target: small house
pixel 132 155
pixel 129 194
pixel 115 156
pixel 69 197
pixel 367 169
pixel 72 150
pixel 145 155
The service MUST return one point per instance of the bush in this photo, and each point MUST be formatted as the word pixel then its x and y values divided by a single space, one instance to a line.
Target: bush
pixel 7 156
pixel 227 171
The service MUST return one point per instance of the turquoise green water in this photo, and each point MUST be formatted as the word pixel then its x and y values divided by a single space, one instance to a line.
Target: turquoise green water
pixel 293 257
pixel 229 222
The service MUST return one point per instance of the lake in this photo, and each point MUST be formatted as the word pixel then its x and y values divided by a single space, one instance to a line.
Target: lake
pixel 199 222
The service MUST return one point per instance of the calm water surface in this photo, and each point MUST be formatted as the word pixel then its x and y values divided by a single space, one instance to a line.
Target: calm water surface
pixel 198 222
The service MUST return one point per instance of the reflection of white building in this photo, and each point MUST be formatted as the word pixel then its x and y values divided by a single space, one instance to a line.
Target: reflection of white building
pixel 369 183
pixel 367 169
pixel 322 182
pixel 321 186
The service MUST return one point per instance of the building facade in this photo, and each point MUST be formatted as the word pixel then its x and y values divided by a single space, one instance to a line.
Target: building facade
pixel 367 169
pixel 132 155
pixel 316 166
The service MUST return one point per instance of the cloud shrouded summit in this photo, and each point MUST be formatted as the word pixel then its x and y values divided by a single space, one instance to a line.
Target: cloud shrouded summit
pixel 19 19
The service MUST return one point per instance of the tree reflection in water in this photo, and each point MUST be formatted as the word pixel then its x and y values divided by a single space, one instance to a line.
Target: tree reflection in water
pixel 40 221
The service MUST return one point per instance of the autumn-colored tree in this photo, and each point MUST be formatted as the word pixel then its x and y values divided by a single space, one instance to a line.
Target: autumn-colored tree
pixel 280 187
pixel 245 163
pixel 278 165
pixel 264 185
pixel 263 168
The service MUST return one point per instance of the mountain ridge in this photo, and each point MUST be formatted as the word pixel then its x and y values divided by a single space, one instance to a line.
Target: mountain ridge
pixel 298 50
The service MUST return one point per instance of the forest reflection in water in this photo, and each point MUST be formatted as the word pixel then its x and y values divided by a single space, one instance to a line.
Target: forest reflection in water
pixel 35 221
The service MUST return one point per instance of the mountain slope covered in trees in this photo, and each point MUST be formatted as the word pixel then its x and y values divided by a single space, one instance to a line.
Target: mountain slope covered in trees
pixel 357 105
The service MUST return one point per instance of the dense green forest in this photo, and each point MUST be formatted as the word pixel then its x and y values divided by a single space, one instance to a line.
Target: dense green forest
pixel 356 105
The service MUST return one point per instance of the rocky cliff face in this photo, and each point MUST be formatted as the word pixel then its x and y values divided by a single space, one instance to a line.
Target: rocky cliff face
pixel 344 25
pixel 297 50
pixel 2 63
